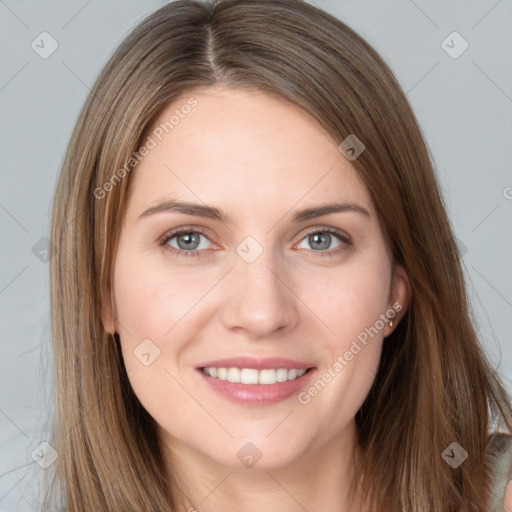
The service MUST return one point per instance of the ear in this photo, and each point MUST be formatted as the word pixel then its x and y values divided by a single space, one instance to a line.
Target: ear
pixel 399 297
pixel 107 310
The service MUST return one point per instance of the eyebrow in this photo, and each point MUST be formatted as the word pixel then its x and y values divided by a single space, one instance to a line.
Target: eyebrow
pixel 210 212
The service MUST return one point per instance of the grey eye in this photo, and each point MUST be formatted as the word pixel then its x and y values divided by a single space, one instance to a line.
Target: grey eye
pixel 320 240
pixel 186 241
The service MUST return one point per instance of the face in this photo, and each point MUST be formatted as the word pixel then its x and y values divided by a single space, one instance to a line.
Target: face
pixel 257 279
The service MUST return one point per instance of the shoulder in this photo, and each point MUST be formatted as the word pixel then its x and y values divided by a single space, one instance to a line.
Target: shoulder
pixel 499 461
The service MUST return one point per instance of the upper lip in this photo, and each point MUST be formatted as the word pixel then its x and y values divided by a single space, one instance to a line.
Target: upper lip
pixel 256 363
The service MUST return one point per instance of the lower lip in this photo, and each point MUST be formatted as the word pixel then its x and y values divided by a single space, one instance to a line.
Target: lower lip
pixel 258 394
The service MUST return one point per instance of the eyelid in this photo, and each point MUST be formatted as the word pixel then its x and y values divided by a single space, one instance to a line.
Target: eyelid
pixel 181 230
pixel 328 229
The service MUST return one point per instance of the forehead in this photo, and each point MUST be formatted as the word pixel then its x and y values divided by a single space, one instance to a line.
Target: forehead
pixel 243 148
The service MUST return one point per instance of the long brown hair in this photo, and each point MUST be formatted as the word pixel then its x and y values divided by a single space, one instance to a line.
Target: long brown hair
pixel 434 385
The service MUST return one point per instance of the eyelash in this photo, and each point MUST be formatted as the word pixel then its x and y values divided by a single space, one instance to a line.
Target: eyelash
pixel 196 253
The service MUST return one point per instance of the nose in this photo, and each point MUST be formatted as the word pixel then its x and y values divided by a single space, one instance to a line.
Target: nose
pixel 260 298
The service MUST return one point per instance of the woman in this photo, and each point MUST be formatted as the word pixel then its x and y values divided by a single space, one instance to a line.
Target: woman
pixel 209 354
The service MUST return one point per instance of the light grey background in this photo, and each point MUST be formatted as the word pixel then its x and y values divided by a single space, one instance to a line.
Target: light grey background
pixel 463 104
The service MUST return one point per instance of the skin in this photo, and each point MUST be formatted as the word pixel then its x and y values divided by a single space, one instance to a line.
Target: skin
pixel 260 160
pixel 507 503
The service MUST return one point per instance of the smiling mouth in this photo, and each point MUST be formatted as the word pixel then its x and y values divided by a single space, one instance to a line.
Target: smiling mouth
pixel 253 376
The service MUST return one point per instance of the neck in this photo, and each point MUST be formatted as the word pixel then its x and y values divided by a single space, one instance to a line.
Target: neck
pixel 317 480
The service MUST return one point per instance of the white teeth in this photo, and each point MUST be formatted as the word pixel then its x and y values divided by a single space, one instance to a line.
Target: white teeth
pixel 253 376
pixel 233 375
pixel 248 376
pixel 267 377
pixel 281 375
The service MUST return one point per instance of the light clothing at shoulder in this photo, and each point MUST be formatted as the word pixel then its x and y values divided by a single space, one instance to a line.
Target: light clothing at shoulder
pixel 499 453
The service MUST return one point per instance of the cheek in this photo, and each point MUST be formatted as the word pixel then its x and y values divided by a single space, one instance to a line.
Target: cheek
pixel 350 304
pixel 152 309
pixel 349 300
pixel 158 311
pixel 150 300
